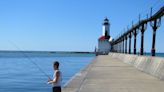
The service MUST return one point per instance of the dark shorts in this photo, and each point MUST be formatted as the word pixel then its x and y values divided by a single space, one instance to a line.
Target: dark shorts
pixel 56 89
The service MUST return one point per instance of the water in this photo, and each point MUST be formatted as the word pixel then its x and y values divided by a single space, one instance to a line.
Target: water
pixel 18 74
pixel 156 55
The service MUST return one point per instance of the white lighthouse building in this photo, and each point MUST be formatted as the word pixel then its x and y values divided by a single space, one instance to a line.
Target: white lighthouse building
pixel 104 45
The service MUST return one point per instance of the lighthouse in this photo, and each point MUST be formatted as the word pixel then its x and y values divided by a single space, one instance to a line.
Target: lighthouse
pixel 104 45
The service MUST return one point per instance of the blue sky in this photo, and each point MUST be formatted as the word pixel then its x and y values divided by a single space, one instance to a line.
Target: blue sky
pixel 70 25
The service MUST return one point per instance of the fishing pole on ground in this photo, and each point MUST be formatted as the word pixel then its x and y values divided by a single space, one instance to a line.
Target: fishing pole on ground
pixel 31 60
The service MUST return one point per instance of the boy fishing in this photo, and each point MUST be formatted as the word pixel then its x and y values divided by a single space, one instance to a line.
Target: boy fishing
pixel 57 78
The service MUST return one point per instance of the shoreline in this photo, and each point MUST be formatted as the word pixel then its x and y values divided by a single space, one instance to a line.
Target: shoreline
pixel 42 53
pixel 26 51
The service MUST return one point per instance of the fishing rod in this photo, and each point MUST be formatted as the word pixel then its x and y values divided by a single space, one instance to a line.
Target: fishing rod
pixel 31 60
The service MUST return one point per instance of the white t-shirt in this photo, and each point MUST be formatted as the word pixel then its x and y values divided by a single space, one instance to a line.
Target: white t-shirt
pixel 58 83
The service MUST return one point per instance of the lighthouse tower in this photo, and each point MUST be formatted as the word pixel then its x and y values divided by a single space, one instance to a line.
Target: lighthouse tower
pixel 104 45
pixel 105 29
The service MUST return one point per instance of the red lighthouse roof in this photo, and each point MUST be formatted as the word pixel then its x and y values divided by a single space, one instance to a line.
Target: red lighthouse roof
pixel 102 38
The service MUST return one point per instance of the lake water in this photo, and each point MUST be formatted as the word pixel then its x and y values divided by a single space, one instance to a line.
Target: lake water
pixel 157 54
pixel 19 74
pixel 149 54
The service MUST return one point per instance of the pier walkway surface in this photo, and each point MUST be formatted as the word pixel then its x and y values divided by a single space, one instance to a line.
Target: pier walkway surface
pixel 107 74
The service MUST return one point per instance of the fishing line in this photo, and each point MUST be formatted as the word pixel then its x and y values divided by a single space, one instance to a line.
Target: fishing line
pixel 31 60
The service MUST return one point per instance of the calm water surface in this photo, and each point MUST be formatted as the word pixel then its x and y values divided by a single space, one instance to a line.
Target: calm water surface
pixel 18 74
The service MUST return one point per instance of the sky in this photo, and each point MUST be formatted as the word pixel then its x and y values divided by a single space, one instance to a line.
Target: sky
pixel 71 25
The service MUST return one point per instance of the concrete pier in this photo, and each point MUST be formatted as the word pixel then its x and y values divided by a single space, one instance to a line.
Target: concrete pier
pixel 109 74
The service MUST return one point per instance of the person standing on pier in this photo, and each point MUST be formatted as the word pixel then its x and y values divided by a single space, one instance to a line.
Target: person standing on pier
pixel 57 78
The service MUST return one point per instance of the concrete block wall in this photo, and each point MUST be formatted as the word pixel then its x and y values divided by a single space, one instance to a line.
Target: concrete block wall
pixel 151 65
